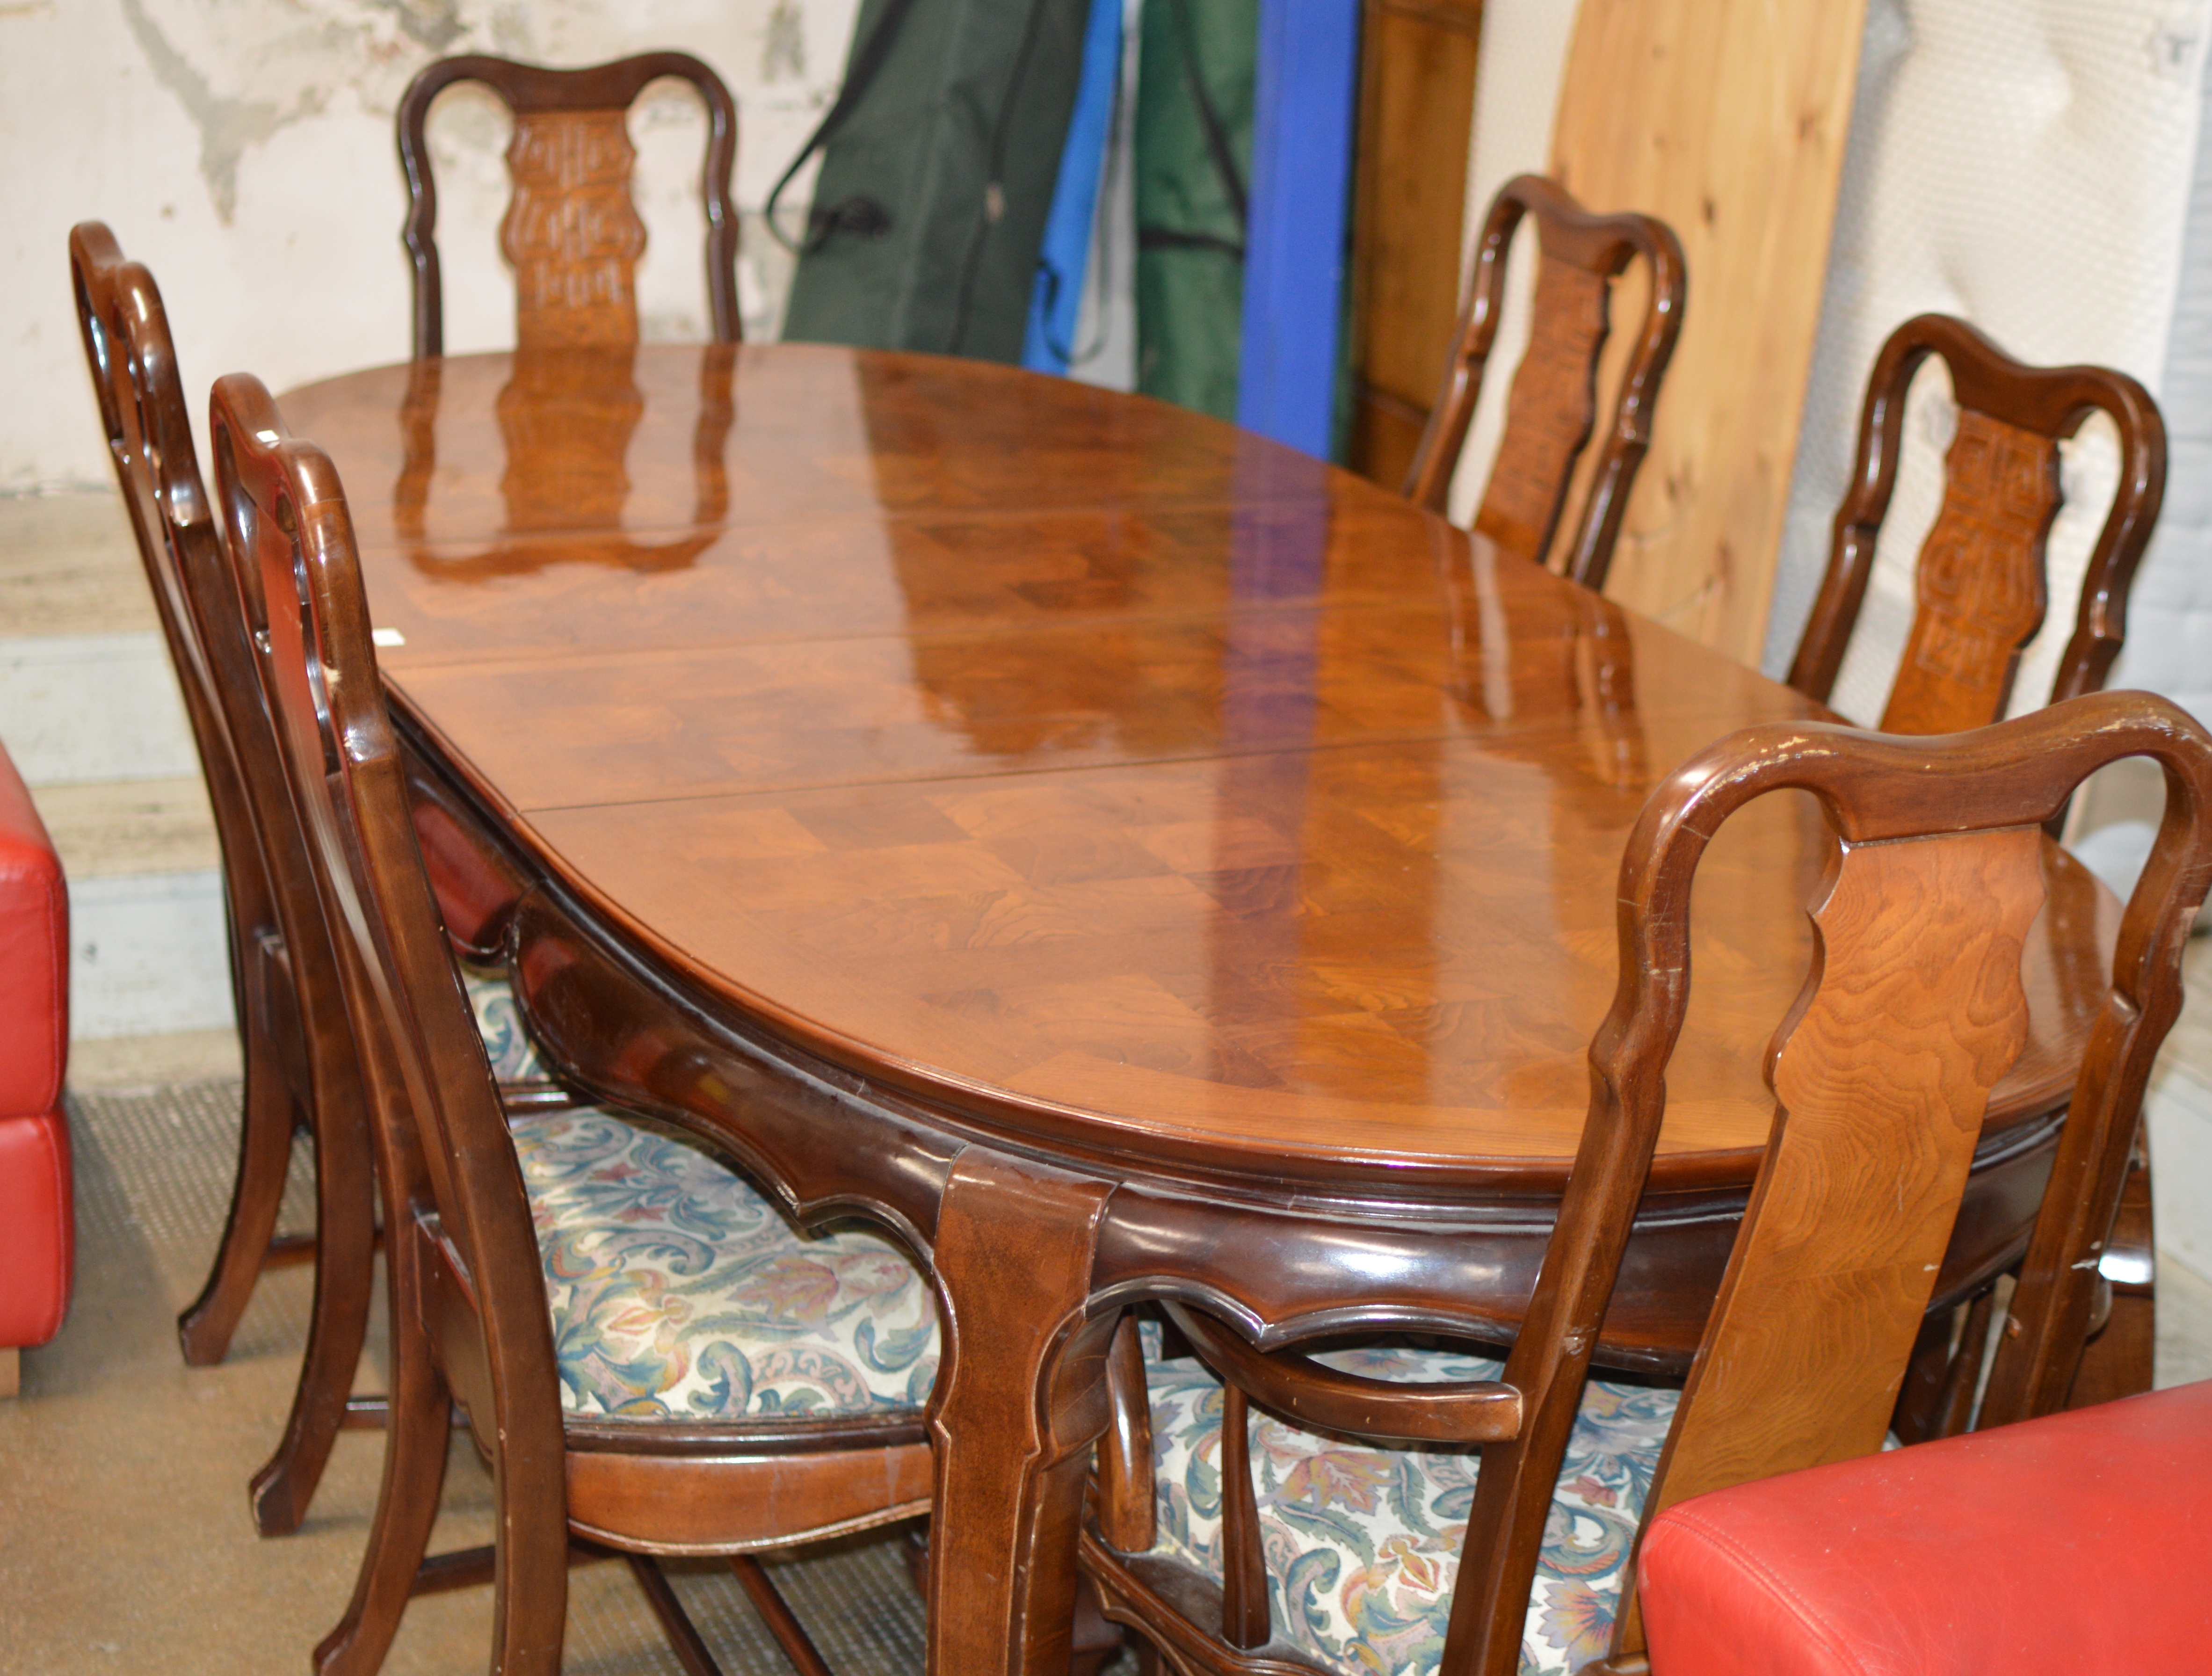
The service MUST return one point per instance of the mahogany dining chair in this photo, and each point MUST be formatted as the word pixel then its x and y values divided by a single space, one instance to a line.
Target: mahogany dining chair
pixel 1551 407
pixel 1980 597
pixel 1375 1508
pixel 297 1053
pixel 651 1357
pixel 571 230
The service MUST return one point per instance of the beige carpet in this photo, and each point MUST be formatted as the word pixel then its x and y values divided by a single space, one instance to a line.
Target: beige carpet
pixel 125 1539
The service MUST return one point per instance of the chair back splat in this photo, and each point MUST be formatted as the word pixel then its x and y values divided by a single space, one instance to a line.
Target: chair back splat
pixel 571 230
pixel 1912 1010
pixel 1979 583
pixel 1552 406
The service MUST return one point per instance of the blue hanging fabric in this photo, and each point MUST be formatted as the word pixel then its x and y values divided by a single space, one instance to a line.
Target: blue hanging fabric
pixel 1058 299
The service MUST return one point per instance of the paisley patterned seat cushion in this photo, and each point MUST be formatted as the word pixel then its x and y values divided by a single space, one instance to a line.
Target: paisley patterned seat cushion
pixel 1362 1542
pixel 499 1021
pixel 678 1292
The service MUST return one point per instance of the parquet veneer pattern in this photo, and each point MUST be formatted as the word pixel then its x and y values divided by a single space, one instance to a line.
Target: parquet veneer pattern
pixel 1157 774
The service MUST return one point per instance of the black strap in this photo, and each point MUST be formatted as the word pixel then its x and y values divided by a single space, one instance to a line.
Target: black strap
pixel 1217 145
pixel 859 214
pixel 1169 238
pixel 994 189
pixel 1217 136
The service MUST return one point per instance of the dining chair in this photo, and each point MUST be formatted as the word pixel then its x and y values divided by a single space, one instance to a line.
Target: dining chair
pixel 1980 597
pixel 297 1055
pixel 651 1358
pixel 571 231
pixel 1552 405
pixel 1377 1508
pixel 1980 589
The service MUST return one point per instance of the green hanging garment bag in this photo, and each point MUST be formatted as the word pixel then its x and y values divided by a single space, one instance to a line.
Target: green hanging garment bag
pixel 1194 159
pixel 939 157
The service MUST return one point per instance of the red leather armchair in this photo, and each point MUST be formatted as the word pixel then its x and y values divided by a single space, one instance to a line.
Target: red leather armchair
pixel 2079 1544
pixel 37 1224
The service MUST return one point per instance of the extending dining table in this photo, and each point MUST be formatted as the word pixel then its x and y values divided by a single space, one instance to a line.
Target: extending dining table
pixel 1124 857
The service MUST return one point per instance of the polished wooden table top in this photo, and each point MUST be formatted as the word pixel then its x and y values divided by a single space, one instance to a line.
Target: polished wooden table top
pixel 1117 776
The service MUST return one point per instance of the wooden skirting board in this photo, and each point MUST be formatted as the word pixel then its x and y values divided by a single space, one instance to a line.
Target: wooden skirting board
pixel 1727 119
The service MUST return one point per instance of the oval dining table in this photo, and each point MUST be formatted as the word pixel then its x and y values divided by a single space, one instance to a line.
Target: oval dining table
pixel 1124 857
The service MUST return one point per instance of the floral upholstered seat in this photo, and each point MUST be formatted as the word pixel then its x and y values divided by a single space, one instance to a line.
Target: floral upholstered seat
pixel 514 1059
pixel 1362 1542
pixel 678 1292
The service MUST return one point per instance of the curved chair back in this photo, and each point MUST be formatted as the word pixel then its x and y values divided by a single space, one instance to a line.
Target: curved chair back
pixel 450 1176
pixel 150 441
pixel 571 230
pixel 1550 409
pixel 298 1050
pixel 1980 582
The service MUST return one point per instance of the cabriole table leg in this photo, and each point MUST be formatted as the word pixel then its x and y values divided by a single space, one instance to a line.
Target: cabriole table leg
pixel 1020 1399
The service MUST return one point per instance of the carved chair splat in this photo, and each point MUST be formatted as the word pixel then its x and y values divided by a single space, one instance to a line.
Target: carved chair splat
pixel 1937 878
pixel 571 231
pixel 469 1298
pixel 1980 583
pixel 1552 405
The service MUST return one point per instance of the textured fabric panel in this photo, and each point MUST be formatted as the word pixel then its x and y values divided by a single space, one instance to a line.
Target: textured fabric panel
pixel 513 1057
pixel 678 1292
pixel 1362 1542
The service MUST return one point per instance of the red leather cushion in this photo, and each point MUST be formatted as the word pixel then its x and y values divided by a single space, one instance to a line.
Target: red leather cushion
pixel 38 1228
pixel 33 956
pixel 2081 1544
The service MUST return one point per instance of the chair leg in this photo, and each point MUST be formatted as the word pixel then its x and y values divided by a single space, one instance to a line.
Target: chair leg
pixel 2119 1362
pixel 1097 1640
pixel 407 1505
pixel 530 1596
pixel 684 1638
pixel 264 1155
pixel 345 1249
pixel 782 1623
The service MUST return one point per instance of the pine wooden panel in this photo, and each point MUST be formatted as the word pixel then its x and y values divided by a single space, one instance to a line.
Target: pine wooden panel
pixel 1417 107
pixel 1727 119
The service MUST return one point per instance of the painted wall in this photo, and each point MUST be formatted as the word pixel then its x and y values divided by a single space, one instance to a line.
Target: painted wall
pixel 242 149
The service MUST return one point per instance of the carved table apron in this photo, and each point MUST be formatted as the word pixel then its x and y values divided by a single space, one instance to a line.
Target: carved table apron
pixel 1124 857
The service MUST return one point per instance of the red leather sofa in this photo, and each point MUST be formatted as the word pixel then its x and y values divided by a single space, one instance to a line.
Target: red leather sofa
pixel 2079 1544
pixel 37 1224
